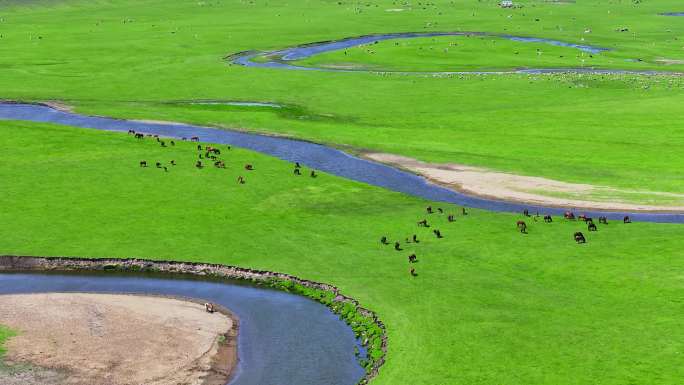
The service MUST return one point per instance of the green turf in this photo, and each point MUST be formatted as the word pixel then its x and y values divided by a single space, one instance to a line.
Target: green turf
pixel 476 53
pixel 5 333
pixel 490 306
pixel 130 58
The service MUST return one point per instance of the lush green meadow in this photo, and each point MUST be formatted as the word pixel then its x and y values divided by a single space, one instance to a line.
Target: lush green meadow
pixel 131 58
pixel 489 306
pixel 5 333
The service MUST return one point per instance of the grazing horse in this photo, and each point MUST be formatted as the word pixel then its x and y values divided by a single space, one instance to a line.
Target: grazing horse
pixel 437 233
pixel 131 132
pixel 415 239
pixel 548 219
pixel 522 226
pixel 383 240
pixel 413 272
pixel 143 163
pixel 423 223
pixel 198 164
pixel 569 215
pixel 194 139
pixel 429 210
pixel 450 218
pixel 591 226
pixel 139 136
pixel 603 220
pixel 397 246
pixel 209 307
pixel 249 167
pixel 313 174
pixel 412 258
pixel 579 238
pixel 297 172
pixel 626 219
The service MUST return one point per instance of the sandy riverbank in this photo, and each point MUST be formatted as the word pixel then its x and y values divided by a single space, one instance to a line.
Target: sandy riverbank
pixel 498 185
pixel 85 339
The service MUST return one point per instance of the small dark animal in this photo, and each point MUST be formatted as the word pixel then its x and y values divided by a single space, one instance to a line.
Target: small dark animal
pixel 198 164
pixel 412 258
pixel 241 180
pixel 548 219
pixel 526 212
pixel 579 238
pixel 591 226
pixel 173 143
pixel 165 169
pixel 297 165
pixel 162 143
pixel 313 174
pixel 522 226
pixel 626 219
pixel 143 164
pixel 423 223
pixel 209 307
pixel 159 165
pixel 569 215
pixel 450 218
pixel 297 172
pixel 199 147
pixel 413 272
pixel 440 210
pixel 131 132
pixel 415 238
pixel 397 246
pixel 582 217
pixel 437 233
pixel 249 167
pixel 139 136
pixel 463 211
pixel 383 240
pixel 429 209
pixel 194 139
pixel 603 220
pixel 173 162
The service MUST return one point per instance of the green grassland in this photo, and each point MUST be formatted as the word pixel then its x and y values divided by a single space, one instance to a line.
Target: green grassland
pixel 5 333
pixel 478 53
pixel 132 59
pixel 489 306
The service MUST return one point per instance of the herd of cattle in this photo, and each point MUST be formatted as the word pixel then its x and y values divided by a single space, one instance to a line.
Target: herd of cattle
pixel 206 155
pixel 521 226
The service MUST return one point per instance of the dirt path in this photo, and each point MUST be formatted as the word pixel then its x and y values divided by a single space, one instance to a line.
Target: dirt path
pixel 85 339
pixel 532 190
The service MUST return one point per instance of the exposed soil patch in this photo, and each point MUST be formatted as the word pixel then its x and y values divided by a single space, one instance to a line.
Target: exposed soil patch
pixel 533 190
pixel 84 339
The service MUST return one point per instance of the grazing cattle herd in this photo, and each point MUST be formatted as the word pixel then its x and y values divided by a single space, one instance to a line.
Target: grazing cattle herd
pixel 211 154
pixel 521 226
pixel 208 154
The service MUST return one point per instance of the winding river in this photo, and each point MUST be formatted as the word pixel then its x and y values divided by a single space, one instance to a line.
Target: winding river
pixel 284 339
pixel 313 155
pixel 284 58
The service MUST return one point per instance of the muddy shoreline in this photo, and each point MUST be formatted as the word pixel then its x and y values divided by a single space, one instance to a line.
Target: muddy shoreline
pixel 9 263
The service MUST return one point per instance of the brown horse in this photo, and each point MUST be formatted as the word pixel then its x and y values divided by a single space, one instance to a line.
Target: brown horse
pixel 522 226
pixel 569 215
